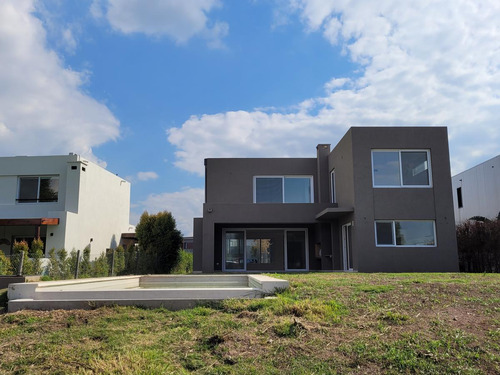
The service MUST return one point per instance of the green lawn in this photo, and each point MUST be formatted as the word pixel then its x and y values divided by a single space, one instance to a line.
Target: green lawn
pixel 325 323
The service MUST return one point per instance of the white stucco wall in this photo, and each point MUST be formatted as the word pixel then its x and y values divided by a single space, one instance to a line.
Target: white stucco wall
pixel 103 211
pixel 92 202
pixel 480 191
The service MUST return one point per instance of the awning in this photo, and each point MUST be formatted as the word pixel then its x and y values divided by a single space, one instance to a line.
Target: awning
pixel 333 213
pixel 26 222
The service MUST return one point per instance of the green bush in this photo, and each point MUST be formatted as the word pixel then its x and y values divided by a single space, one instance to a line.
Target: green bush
pixel 5 265
pixel 85 266
pixel 53 268
pixel 36 254
pixel 16 258
pixel 185 263
pixel 72 262
pixel 131 255
pixel 119 265
pixel 159 242
pixel 64 267
pixel 100 266
pixel 478 242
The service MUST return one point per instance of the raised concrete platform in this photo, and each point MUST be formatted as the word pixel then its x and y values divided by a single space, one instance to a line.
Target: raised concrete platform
pixel 169 291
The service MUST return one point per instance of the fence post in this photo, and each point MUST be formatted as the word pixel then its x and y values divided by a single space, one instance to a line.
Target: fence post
pixel 77 263
pixel 112 262
pixel 21 261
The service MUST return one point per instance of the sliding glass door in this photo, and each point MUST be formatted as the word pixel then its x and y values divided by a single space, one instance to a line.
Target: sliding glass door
pixel 265 250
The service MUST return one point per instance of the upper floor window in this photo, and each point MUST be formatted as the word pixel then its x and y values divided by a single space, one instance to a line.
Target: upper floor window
pixel 38 189
pixel 416 233
pixel 332 186
pixel 283 189
pixel 401 168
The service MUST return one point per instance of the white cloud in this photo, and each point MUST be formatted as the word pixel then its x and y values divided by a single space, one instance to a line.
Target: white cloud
pixel 145 176
pixel 69 40
pixel 180 20
pixel 184 206
pixel 421 63
pixel 43 109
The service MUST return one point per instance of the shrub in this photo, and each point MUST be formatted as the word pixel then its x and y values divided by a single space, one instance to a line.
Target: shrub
pixel 159 242
pixel 5 265
pixel 72 262
pixel 16 258
pixel 64 267
pixel 131 254
pixel 119 265
pixel 36 254
pixel 85 266
pixel 53 268
pixel 100 267
pixel 185 263
pixel 479 245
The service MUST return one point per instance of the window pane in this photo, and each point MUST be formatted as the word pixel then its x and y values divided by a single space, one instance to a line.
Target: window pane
pixel 296 250
pixel 49 189
pixel 415 167
pixel 386 168
pixel 234 256
pixel 259 250
pixel 269 190
pixel 332 186
pixel 415 233
pixel 297 190
pixel 28 189
pixel 384 233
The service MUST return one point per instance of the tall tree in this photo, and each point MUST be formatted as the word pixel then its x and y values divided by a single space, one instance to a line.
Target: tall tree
pixel 159 241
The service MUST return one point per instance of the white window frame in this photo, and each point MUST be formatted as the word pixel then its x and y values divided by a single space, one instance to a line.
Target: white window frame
pixel 39 177
pixel 333 187
pixel 311 185
pixel 401 185
pixel 394 244
pixel 285 248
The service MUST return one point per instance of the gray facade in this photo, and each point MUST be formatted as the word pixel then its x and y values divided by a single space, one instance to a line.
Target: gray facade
pixel 476 191
pixel 331 212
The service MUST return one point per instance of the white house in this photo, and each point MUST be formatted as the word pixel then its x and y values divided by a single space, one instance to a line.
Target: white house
pixel 67 201
pixel 476 191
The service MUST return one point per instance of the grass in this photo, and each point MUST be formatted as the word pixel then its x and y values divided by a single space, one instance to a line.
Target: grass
pixel 325 323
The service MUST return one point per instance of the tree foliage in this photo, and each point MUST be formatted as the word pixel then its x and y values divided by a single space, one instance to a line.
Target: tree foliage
pixel 478 242
pixel 159 242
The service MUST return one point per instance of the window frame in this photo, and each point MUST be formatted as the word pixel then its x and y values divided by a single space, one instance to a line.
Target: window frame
pixel 394 239
pixel 401 184
pixel 285 248
pixel 283 193
pixel 333 187
pixel 37 199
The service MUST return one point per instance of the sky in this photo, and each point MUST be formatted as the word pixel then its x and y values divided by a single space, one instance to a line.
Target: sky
pixel 150 88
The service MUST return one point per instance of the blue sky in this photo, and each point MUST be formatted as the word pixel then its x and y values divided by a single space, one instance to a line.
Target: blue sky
pixel 149 88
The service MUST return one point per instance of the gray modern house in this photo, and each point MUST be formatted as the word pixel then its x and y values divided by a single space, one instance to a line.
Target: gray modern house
pixel 381 200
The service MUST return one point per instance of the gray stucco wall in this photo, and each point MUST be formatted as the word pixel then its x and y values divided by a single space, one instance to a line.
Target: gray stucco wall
pixel 231 180
pixel 434 203
pixel 229 201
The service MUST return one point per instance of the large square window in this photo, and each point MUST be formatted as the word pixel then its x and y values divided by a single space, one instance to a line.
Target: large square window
pixel 410 233
pixel 38 189
pixel 401 168
pixel 283 189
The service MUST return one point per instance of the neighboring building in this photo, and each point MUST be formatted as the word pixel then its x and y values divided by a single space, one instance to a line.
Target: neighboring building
pixel 381 200
pixel 476 191
pixel 187 244
pixel 67 201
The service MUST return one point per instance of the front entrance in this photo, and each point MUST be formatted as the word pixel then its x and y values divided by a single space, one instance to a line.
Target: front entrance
pixel 347 246
pixel 265 249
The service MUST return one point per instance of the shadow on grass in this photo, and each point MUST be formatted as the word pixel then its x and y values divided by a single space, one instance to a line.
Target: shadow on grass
pixel 3 301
